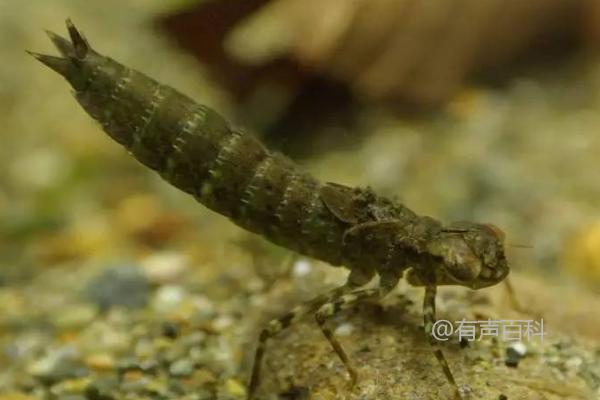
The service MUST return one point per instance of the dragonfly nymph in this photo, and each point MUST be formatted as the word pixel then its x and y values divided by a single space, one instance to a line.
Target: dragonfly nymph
pixel 234 174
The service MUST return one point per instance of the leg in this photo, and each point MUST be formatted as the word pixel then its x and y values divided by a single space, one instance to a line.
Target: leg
pixel 515 303
pixel 329 309
pixel 512 296
pixel 429 320
pixel 279 324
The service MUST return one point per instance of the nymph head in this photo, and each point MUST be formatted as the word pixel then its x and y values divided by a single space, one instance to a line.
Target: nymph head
pixel 468 254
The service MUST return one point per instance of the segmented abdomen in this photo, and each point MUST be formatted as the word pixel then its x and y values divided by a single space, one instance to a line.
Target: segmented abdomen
pixel 227 170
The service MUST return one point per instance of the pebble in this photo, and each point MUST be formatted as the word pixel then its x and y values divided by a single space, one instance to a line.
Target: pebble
pixel 167 298
pixel 182 368
pixel 344 329
pixel 128 364
pixel 101 388
pixel 121 285
pixel 204 376
pixel 157 387
pixel 148 365
pixel 234 388
pixel 514 353
pixel 100 362
pixel 75 316
pixel 76 386
pixel 144 348
pixel 170 330
pixel 165 267
pixel 204 307
pixel 134 381
pixel 221 323
pixel 172 353
pixel 57 366
pixel 161 344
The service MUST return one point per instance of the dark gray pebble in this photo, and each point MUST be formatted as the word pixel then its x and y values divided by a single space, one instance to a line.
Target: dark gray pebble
pixel 514 353
pixel 120 285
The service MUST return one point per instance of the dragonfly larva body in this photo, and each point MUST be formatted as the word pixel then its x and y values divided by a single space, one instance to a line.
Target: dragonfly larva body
pixel 232 173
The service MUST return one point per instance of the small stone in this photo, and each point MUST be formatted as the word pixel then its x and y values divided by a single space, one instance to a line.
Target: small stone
pixel 144 348
pixel 157 387
pixel 519 348
pixel 167 298
pixel 203 306
pixel 134 381
pixel 221 323
pixel 193 339
pixel 57 366
pixel 234 388
pixel 170 330
pixel 165 267
pixel 514 353
pixel 102 388
pixel 106 336
pixel 344 329
pixel 75 316
pixel 128 364
pixel 204 376
pixel 71 386
pixel 174 353
pixel 148 366
pixel 100 362
pixel 182 368
pixel 124 286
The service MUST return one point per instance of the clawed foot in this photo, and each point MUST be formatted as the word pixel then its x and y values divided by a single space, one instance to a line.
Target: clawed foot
pixel 353 379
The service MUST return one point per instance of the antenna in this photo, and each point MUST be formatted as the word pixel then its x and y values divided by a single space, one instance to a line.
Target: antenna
pixel 521 246
pixel 455 230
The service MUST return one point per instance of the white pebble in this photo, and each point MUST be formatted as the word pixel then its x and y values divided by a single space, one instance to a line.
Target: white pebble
pixel 302 268
pixel 519 348
pixel 165 267
pixel 344 329
pixel 168 297
pixel 222 322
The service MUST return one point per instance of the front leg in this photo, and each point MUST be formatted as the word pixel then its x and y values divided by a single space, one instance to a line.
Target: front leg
pixel 276 325
pixel 357 278
pixel 516 304
pixel 331 308
pixel 429 321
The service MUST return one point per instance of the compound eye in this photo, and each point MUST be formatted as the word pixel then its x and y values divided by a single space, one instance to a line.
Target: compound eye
pixel 497 232
pixel 462 264
pixel 459 260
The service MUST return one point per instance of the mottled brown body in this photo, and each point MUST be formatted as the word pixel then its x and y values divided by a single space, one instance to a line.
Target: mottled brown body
pixel 232 173
pixel 228 170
